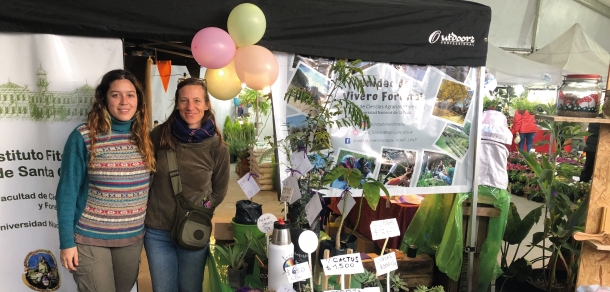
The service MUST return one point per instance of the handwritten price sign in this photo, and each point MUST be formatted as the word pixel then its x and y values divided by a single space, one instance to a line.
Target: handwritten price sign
pixel 265 223
pixel 385 263
pixel 382 229
pixel 343 264
pixel 298 272
pixel 284 288
pixel 286 194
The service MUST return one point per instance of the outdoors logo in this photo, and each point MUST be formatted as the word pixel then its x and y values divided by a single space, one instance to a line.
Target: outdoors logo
pixel 451 39
pixel 40 271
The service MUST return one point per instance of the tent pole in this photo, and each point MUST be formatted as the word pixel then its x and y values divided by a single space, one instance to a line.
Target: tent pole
pixel 472 229
pixel 535 28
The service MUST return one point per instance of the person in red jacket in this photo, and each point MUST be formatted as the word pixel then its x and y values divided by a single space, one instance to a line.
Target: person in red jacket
pixel 525 126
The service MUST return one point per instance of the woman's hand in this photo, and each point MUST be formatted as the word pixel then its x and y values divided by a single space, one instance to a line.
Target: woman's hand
pixel 69 258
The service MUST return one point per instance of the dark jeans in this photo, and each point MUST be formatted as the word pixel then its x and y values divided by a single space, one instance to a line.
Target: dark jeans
pixel 173 268
pixel 527 139
pixel 587 170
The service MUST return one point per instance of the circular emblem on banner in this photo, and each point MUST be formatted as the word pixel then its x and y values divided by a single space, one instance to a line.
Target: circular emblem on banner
pixel 434 36
pixel 40 271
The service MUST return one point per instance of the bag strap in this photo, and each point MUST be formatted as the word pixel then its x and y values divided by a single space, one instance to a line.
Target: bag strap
pixel 174 175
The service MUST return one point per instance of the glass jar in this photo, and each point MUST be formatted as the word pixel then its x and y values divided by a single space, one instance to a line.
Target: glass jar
pixel 579 96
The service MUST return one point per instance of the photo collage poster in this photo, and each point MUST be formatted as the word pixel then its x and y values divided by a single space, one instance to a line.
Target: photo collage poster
pixel 421 137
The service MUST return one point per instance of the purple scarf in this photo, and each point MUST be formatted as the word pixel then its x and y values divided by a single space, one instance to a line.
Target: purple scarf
pixel 181 131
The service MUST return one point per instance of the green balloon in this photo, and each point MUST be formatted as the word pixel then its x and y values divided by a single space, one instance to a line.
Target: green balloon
pixel 246 24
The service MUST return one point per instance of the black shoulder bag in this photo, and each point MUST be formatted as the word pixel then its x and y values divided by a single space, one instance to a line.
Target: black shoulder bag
pixel 193 224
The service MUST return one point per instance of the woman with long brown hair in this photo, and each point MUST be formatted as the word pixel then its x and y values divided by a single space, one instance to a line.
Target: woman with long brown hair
pixel 203 164
pixel 103 188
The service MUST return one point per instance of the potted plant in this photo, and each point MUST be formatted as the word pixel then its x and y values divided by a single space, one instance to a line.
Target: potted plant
pixel 422 288
pixel 259 247
pixel 240 136
pixel 523 104
pixel 367 279
pixel 516 230
pixel 397 284
pixel 322 114
pixel 228 134
pixel 562 216
pixel 260 103
pixel 236 256
pixel 490 104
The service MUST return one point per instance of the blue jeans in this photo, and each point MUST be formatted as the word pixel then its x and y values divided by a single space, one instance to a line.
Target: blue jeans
pixel 445 178
pixel 173 268
pixel 527 138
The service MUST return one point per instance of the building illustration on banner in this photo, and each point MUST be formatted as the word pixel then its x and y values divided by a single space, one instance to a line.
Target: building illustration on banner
pixel 20 102
pixel 41 272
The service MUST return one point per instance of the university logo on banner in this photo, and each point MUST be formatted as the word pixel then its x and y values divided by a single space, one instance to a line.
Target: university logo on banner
pixel 47 85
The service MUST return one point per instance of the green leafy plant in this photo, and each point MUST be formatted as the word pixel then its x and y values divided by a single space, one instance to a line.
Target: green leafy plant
pixel 514 234
pixel 397 283
pixel 258 246
pixel 367 279
pixel 239 137
pixel 257 100
pixel 422 288
pixel 562 216
pixel 490 104
pixel 235 254
pixel 322 114
pixel 522 103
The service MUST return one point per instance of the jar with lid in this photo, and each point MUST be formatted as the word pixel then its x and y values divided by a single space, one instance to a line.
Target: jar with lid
pixel 579 96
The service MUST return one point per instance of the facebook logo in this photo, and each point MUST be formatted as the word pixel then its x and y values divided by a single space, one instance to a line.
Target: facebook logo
pixel 347 140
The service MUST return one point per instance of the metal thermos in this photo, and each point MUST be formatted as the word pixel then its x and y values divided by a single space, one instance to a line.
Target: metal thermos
pixel 280 253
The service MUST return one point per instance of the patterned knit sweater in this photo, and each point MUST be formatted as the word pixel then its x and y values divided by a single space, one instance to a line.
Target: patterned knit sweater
pixel 106 201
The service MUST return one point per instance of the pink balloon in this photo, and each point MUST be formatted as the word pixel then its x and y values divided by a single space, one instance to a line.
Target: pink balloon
pixel 213 48
pixel 256 66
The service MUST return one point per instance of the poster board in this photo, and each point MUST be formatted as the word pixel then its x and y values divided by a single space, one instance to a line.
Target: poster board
pixel 421 123
pixel 47 84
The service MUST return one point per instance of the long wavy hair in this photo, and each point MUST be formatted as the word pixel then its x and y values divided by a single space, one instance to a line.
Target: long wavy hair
pixel 99 121
pixel 166 128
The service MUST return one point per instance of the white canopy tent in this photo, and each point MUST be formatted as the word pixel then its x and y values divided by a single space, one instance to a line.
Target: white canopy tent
pixel 575 52
pixel 511 69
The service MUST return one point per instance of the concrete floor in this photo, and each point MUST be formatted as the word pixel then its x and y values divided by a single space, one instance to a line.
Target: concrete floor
pixel 268 199
pixel 223 213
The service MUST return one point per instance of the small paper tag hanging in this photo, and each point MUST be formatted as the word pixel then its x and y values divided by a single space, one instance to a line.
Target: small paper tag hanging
pixel 300 162
pixel 286 194
pixel 249 185
pixel 313 209
pixel 292 182
pixel 350 202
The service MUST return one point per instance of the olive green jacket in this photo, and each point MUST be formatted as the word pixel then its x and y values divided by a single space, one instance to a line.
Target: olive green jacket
pixel 204 171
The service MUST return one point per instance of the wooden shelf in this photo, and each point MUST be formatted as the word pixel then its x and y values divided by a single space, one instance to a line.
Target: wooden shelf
pixel 597 245
pixel 573 119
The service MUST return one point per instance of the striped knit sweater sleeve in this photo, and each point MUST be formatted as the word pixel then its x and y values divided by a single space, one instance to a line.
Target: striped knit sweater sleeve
pixel 72 184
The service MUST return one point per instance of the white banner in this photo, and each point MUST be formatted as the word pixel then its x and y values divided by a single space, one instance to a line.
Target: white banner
pixel 163 100
pixel 47 84
pixel 423 123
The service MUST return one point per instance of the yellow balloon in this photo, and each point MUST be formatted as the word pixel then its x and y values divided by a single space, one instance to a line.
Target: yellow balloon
pixel 223 83
pixel 246 24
